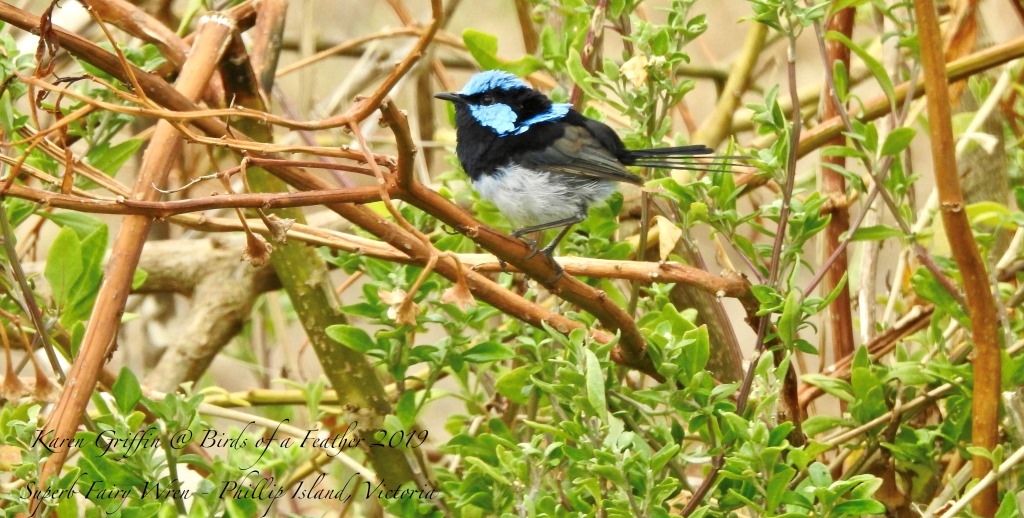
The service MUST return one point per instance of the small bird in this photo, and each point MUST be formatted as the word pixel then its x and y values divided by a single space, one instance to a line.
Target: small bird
pixel 541 163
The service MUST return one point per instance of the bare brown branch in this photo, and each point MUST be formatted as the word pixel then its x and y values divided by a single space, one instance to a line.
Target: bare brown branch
pixel 980 303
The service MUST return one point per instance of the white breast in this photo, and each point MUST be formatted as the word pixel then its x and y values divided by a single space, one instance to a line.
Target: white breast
pixel 528 197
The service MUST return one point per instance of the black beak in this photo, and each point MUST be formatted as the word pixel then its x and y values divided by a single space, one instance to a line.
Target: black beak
pixel 451 97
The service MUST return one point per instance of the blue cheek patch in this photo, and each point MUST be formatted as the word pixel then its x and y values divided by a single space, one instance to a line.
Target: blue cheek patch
pixel 498 117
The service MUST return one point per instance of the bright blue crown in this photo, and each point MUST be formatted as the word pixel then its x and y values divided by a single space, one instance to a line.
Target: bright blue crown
pixel 492 80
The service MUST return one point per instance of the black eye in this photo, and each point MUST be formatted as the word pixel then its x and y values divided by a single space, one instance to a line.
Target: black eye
pixel 487 100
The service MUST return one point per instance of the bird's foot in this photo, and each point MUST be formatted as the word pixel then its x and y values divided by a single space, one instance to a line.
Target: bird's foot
pixel 548 252
pixel 532 243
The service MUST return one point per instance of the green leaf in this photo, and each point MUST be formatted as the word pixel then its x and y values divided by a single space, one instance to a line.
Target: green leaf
pixel 611 70
pixel 126 391
pixel 929 288
pixel 18 210
pixel 1008 508
pixel 579 74
pixel 697 352
pixel 201 508
pixel 841 79
pixel 979 451
pixel 834 294
pixel 351 337
pixel 405 410
pixel 64 266
pixel 819 475
pixel 910 373
pixel 790 319
pixel 82 224
pixel 7 111
pixel 612 473
pixel 990 213
pixel 820 423
pixel 139 278
pixel 660 43
pixel 83 295
pixel 484 49
pixel 861 359
pixel 109 159
pixel 805 347
pixel 873 65
pixel 487 469
pixel 663 456
pixel 94 248
pixel 843 151
pixel 830 385
pixel 595 385
pixel 734 427
pixel 869 395
pixel 876 233
pixel 241 507
pixel 777 487
pixel 68 508
pixel 488 352
pixel 515 384
pixel 859 507
pixel 802 458
pixel 897 141
pixel 142 511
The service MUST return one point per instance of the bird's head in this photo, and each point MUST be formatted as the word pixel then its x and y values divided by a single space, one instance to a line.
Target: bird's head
pixel 502 103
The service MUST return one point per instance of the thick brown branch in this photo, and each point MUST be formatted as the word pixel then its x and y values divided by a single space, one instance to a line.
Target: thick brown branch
pixel 981 305
pixel 138 23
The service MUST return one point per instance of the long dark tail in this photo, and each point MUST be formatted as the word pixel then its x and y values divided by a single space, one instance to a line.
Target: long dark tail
pixel 680 157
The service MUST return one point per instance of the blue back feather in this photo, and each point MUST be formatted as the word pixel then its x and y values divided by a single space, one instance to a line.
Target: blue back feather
pixel 556 112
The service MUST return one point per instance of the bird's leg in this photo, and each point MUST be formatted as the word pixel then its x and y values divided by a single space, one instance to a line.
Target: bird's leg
pixel 549 249
pixel 549 225
pixel 565 222
pixel 549 252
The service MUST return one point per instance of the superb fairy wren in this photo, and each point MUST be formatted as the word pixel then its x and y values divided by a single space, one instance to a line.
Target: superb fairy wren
pixel 543 164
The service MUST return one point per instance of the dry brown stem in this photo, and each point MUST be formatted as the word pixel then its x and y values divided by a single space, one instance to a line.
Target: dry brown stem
pixel 840 312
